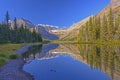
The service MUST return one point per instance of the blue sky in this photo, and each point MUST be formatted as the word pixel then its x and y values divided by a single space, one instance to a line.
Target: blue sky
pixel 62 13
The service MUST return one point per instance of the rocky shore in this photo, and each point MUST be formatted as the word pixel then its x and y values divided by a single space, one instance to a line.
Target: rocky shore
pixel 13 69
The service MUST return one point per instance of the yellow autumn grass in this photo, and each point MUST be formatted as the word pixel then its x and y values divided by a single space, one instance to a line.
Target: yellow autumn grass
pixel 6 48
pixel 6 52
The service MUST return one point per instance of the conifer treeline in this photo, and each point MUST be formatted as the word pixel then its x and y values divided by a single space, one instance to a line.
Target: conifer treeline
pixel 17 35
pixel 106 28
pixel 105 58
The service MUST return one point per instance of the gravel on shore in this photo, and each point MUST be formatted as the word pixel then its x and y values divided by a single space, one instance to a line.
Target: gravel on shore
pixel 13 69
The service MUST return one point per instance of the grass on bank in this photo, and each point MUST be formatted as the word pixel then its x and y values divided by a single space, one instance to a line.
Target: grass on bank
pixel 108 43
pixel 6 52
pixel 97 42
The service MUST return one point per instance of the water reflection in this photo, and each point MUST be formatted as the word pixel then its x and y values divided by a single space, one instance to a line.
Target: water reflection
pixel 104 58
pixel 32 53
pixel 39 52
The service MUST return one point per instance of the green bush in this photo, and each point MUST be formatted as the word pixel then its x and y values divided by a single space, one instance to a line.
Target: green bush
pixel 14 56
pixel 3 61
pixel 3 55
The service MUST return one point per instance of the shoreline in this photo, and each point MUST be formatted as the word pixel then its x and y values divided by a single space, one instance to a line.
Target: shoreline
pixel 13 70
pixel 28 75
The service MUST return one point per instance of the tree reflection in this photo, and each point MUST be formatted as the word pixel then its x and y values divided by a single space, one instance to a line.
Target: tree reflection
pixel 105 58
pixel 32 52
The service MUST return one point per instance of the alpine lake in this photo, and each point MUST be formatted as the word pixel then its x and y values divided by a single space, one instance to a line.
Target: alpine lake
pixel 73 62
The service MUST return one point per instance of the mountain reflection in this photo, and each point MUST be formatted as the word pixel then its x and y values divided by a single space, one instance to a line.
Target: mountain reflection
pixel 32 53
pixel 104 58
pixel 39 52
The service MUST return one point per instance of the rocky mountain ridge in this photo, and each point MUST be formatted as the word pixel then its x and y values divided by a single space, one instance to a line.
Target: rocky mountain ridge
pixel 44 30
pixel 22 22
pixel 114 5
pixel 52 32
pixel 72 32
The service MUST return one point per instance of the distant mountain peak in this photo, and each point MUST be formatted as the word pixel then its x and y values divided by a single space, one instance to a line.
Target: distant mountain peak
pixel 46 25
pixel 46 33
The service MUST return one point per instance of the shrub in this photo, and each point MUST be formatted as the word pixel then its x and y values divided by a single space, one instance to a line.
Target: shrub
pixel 14 56
pixel 3 55
pixel 3 61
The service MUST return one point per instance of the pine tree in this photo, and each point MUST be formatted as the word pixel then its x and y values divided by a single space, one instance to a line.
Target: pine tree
pixel 90 28
pixel 7 18
pixel 117 28
pixel 103 30
pixel 17 35
pixel 98 27
pixel 15 23
pixel 110 26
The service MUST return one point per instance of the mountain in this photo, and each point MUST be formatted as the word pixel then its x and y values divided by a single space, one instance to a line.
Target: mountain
pixel 46 33
pixel 24 22
pixel 48 27
pixel 114 5
pixel 44 30
pixel 72 32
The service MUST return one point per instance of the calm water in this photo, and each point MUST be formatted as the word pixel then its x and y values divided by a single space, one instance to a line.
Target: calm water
pixel 72 62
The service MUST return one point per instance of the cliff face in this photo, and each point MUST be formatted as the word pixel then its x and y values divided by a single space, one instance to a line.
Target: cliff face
pixel 45 32
pixel 114 5
pixel 112 1
pixel 24 22
pixel 72 32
